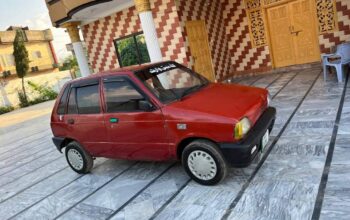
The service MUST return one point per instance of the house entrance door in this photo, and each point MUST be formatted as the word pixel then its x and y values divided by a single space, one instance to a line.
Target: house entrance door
pixel 293 33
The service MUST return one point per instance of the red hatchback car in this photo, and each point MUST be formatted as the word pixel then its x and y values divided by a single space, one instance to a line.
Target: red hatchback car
pixel 162 112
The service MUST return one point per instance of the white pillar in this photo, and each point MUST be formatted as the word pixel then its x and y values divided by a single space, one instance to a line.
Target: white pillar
pixel 149 30
pixel 151 37
pixel 81 58
pixel 73 31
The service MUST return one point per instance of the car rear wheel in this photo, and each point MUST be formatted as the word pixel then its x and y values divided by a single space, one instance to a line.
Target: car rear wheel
pixel 78 159
pixel 204 162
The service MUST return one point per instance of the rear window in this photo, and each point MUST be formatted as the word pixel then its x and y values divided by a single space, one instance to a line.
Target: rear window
pixel 88 99
pixel 61 110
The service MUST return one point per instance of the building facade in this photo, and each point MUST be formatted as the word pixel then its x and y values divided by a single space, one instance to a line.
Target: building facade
pixel 216 38
pixel 38 44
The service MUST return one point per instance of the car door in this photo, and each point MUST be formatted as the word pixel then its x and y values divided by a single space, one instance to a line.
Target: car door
pixel 134 133
pixel 84 118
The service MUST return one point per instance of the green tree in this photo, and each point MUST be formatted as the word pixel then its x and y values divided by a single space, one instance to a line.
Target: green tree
pixel 70 63
pixel 129 53
pixel 21 59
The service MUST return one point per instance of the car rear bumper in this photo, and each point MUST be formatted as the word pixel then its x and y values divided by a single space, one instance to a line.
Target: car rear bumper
pixel 58 143
pixel 240 154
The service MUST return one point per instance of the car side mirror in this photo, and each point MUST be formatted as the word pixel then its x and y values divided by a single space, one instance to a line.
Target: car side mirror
pixel 145 105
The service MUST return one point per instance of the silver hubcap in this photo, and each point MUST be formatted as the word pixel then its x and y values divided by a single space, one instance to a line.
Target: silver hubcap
pixel 202 165
pixel 75 159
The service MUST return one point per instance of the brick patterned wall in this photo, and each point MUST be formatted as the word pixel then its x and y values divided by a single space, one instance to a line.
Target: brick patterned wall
pixel 227 25
pixel 211 13
pixel 244 56
pixel 99 35
pixel 343 33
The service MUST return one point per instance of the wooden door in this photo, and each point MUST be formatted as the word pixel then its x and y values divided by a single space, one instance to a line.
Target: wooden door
pixel 293 33
pixel 199 46
pixel 281 39
pixel 304 31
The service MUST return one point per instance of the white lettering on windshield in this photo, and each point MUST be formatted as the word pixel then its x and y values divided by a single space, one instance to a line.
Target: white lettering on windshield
pixel 162 68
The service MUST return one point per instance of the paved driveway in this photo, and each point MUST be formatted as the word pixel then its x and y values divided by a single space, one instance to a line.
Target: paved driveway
pixel 303 174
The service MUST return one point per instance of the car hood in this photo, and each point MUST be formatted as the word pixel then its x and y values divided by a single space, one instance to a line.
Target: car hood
pixel 228 100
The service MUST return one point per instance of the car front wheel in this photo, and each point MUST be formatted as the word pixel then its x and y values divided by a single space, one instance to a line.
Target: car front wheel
pixel 78 159
pixel 204 162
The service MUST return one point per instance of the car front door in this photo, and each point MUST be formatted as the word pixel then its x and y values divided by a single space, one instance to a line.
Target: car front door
pixel 136 129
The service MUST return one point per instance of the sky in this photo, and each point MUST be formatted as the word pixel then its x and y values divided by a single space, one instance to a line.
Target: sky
pixel 35 15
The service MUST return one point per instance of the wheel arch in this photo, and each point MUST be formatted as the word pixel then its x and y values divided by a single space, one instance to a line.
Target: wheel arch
pixel 183 143
pixel 65 142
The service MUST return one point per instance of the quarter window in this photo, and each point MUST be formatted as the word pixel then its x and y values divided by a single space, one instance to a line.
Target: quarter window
pixel 88 100
pixel 121 96
pixel 62 105
pixel 72 104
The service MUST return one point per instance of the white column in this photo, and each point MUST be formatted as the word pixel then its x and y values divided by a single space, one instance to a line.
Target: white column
pixel 151 37
pixel 73 31
pixel 81 58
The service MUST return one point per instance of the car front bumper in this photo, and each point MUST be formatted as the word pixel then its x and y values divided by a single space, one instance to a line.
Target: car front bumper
pixel 240 154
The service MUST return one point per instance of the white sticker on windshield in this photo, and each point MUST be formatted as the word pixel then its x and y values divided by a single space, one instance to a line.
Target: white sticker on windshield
pixel 162 68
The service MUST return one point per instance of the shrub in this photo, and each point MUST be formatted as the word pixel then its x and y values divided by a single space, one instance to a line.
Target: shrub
pixel 23 101
pixel 6 74
pixel 55 65
pixel 6 109
pixel 45 93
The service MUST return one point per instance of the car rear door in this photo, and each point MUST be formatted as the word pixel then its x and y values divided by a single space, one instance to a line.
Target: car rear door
pixel 133 133
pixel 84 118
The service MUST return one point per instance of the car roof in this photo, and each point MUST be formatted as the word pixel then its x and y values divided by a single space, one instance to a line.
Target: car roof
pixel 120 71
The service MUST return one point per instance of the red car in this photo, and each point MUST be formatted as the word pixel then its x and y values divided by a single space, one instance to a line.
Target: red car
pixel 162 112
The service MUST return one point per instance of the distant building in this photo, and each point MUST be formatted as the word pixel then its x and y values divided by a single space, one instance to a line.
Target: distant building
pixel 38 43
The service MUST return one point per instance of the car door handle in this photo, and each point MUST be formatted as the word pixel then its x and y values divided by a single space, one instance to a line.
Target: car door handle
pixel 113 120
pixel 70 121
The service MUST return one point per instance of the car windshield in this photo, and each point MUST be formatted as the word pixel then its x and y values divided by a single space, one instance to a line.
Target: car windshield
pixel 171 81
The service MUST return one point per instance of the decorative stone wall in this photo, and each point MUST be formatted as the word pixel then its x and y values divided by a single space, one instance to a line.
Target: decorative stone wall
pixel 211 12
pixel 342 33
pixel 99 35
pixel 238 39
pixel 244 55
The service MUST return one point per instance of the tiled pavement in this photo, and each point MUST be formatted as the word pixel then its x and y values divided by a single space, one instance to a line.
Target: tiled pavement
pixel 303 174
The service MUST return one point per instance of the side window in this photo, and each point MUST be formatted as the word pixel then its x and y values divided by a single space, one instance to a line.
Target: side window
pixel 88 100
pixel 121 96
pixel 61 110
pixel 72 104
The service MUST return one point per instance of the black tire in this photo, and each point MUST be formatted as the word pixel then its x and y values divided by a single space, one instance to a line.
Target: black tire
pixel 211 149
pixel 87 160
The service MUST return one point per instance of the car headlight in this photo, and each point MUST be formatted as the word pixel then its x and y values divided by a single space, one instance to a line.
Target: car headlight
pixel 242 128
pixel 268 99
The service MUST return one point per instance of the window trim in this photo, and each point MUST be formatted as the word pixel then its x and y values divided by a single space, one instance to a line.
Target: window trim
pixel 134 36
pixel 134 85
